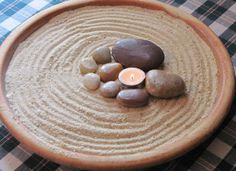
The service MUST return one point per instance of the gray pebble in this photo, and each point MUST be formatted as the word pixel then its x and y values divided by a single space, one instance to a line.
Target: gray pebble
pixel 91 81
pixel 102 55
pixel 88 65
pixel 110 89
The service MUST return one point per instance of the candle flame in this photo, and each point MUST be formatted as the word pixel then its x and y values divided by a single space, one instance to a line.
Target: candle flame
pixel 132 76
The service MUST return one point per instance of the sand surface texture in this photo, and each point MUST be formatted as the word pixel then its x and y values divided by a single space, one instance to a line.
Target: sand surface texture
pixel 44 88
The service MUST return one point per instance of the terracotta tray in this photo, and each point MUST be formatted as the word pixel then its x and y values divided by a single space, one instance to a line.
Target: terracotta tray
pixel 169 151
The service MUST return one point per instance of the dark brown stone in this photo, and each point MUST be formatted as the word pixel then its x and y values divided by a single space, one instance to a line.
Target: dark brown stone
pixel 133 97
pixel 138 53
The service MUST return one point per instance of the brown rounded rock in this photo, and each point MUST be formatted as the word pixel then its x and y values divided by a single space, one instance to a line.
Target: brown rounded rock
pixel 102 55
pixel 138 53
pixel 110 89
pixel 164 85
pixel 133 97
pixel 110 71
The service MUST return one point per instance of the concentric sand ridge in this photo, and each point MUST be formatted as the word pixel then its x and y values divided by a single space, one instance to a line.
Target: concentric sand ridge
pixel 44 87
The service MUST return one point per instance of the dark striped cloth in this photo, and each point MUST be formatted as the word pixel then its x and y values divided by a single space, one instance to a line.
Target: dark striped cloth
pixel 217 153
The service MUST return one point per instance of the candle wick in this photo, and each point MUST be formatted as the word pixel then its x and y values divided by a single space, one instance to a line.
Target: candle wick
pixel 132 76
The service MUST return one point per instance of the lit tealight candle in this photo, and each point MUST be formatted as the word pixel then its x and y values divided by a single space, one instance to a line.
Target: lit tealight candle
pixel 131 76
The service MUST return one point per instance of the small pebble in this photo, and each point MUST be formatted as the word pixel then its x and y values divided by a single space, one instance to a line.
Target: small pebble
pixel 133 97
pixel 110 89
pixel 88 65
pixel 91 81
pixel 163 84
pixel 102 55
pixel 110 71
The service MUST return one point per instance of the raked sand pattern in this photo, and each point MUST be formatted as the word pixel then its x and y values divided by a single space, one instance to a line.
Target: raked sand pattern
pixel 44 88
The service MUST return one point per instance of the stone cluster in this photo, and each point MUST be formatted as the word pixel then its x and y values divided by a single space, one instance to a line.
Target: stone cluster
pixel 100 72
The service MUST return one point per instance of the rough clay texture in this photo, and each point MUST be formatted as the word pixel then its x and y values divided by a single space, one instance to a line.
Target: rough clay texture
pixel 45 91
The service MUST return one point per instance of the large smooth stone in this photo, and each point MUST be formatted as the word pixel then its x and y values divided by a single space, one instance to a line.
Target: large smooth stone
pixel 110 89
pixel 91 81
pixel 164 85
pixel 133 97
pixel 138 53
pixel 88 65
pixel 110 71
pixel 102 55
